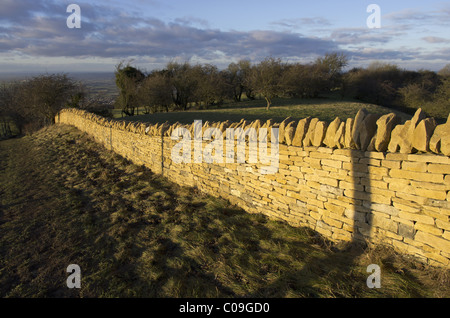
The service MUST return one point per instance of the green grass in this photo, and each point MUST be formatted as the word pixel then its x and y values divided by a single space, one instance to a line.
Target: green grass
pixel 326 109
pixel 66 200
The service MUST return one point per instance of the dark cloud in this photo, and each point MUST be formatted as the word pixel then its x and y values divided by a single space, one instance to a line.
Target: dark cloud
pixel 37 28
pixel 15 11
pixel 107 33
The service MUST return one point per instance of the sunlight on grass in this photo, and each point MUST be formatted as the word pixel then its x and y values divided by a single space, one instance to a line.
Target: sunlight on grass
pixel 325 109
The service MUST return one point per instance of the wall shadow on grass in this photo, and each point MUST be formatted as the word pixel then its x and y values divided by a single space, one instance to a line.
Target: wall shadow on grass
pixel 338 263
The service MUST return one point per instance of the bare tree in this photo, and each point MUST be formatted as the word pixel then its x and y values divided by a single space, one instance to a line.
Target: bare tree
pixel 155 92
pixel 46 95
pixel 128 80
pixel 210 85
pixel 183 83
pixel 331 68
pixel 267 79
pixel 33 103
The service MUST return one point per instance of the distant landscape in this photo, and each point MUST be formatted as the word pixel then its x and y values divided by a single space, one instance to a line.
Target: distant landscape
pixel 98 84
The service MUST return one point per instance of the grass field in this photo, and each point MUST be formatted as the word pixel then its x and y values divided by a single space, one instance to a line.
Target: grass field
pixel 326 109
pixel 66 200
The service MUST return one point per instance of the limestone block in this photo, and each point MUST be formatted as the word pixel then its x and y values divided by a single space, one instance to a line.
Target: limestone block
pixel 371 146
pixel 367 130
pixel 319 134
pixel 233 125
pixel 282 128
pixel 402 135
pixel 416 217
pixel 385 124
pixel 331 133
pixel 434 241
pixel 300 132
pixel 399 141
pixel 224 125
pixel 270 123
pixel 431 229
pixel 356 129
pixel 422 134
pixel 406 230
pixel 384 223
pixel 414 166
pixel 439 168
pixel 440 141
pixel 307 141
pixel 339 137
pixel 289 133
pixel 418 116
pixel 348 139
pixel 416 176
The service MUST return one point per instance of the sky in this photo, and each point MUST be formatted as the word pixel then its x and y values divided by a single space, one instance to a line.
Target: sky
pixel 35 35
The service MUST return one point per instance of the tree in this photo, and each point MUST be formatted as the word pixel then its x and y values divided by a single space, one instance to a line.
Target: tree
pixel 235 81
pixel 246 71
pixel 46 95
pixel 210 85
pixel 238 79
pixel 128 79
pixel 33 103
pixel 155 92
pixel 183 83
pixel 304 81
pixel 442 96
pixel 378 84
pixel 330 69
pixel 266 79
pixel 445 71
pixel 419 88
pixel 15 109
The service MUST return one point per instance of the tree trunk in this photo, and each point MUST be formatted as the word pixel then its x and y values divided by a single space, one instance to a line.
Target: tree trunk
pixel 8 129
pixel 269 102
pixel 3 131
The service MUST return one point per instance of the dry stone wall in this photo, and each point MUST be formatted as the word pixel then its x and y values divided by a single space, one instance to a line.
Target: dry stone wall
pixel 366 178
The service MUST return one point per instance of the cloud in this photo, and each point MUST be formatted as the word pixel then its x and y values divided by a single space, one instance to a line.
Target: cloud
pixel 109 33
pixel 346 36
pixel 440 54
pixel 191 21
pixel 37 29
pixel 365 53
pixel 435 39
pixel 420 18
pixel 302 22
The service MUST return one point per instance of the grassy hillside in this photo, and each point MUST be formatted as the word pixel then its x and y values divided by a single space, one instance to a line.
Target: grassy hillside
pixel 66 200
pixel 324 109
